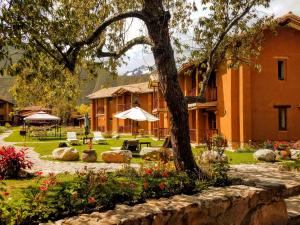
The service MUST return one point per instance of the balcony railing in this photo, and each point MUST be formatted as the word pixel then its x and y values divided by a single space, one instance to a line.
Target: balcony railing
pixel 159 104
pixel 207 134
pixel 193 135
pixel 100 110
pixel 101 128
pixel 123 107
pixel 210 93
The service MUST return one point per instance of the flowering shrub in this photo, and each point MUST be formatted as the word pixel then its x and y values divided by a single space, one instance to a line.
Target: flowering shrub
pixel 281 145
pixel 12 161
pixel 88 191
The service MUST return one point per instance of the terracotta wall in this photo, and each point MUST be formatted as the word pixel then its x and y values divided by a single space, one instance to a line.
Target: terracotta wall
pixel 108 123
pixel 247 99
pixel 268 91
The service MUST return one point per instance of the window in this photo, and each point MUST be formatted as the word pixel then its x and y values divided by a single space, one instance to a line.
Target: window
pixel 1 105
pixel 282 118
pixel 281 69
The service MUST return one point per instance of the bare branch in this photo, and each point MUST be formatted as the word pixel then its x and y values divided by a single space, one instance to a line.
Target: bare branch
pixel 228 28
pixel 96 34
pixel 125 48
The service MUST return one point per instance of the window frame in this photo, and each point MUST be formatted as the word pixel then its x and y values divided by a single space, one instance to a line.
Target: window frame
pixel 280 111
pixel 283 62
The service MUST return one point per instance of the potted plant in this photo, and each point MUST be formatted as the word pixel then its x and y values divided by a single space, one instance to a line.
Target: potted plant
pixel 89 155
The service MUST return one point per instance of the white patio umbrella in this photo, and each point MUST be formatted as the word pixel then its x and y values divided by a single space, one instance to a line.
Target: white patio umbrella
pixel 41 116
pixel 136 114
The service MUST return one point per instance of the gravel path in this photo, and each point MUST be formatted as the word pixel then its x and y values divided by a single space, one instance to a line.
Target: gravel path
pixel 47 166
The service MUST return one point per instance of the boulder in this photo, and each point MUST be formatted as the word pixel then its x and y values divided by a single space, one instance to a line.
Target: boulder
pixel 89 156
pixel 265 155
pixel 65 154
pixel 213 156
pixel 117 156
pixel 295 154
pixel 157 154
pixel 296 145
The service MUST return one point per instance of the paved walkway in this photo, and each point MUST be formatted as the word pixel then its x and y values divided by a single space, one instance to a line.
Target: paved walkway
pixel 47 166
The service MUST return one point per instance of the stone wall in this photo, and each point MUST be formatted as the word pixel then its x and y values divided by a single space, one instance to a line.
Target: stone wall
pixel 234 205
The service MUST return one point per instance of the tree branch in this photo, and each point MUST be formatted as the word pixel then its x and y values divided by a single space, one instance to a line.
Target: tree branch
pixel 125 48
pixel 228 28
pixel 96 34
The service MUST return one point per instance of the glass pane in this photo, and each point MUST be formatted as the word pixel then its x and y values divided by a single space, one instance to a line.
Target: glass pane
pixel 280 70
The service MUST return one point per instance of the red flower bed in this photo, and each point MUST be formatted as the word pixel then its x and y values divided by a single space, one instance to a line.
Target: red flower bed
pixel 12 161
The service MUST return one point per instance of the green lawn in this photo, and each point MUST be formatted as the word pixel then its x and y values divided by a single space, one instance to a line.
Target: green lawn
pixel 45 147
pixel 16 187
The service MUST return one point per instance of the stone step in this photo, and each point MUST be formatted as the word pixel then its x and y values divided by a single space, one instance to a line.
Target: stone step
pixel 293 208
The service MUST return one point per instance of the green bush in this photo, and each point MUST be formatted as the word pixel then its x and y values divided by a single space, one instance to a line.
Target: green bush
pixel 2 129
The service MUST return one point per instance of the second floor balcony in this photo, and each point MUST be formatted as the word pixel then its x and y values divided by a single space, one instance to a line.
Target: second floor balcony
pixel 210 93
pixel 123 107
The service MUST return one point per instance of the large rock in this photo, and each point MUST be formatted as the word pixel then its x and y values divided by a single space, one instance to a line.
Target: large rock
pixel 89 156
pixel 265 155
pixel 213 156
pixel 117 156
pixel 157 154
pixel 295 154
pixel 65 154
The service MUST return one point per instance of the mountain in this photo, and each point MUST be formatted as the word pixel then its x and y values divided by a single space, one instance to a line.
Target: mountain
pixel 142 70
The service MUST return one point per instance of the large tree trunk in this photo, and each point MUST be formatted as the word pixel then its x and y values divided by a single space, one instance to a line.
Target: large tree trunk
pixel 157 23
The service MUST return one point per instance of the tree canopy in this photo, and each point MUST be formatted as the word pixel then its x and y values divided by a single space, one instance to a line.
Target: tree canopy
pixel 78 33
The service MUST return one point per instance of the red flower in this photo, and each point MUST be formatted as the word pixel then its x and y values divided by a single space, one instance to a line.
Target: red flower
pixel 91 200
pixel 146 185
pixel 39 173
pixel 165 174
pixel 5 193
pixel 162 185
pixel 47 182
pixel 148 171
pixel 43 188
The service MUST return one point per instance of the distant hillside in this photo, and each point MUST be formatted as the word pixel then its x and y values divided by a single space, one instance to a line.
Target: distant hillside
pixel 88 85
pixel 105 80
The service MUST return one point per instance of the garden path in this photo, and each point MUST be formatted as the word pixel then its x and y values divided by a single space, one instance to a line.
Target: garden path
pixel 47 166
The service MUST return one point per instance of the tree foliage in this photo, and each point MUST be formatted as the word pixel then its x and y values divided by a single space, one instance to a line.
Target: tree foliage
pixel 75 32
pixel 230 33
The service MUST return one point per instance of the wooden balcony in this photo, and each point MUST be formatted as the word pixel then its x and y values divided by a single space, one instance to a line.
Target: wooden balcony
pixel 100 110
pixel 210 93
pixel 159 104
pixel 204 134
pixel 123 107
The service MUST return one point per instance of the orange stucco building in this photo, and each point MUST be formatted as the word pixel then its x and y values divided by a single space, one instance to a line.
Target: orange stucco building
pixel 243 104
pixel 106 102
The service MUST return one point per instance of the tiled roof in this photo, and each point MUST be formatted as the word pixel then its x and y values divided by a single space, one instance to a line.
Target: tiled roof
pixel 109 92
pixel 290 19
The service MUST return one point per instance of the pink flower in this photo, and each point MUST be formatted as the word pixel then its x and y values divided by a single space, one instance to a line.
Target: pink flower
pixel 91 200
pixel 162 185
pixel 39 173
pixel 43 188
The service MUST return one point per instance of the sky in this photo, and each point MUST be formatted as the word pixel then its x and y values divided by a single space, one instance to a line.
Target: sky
pixel 139 57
